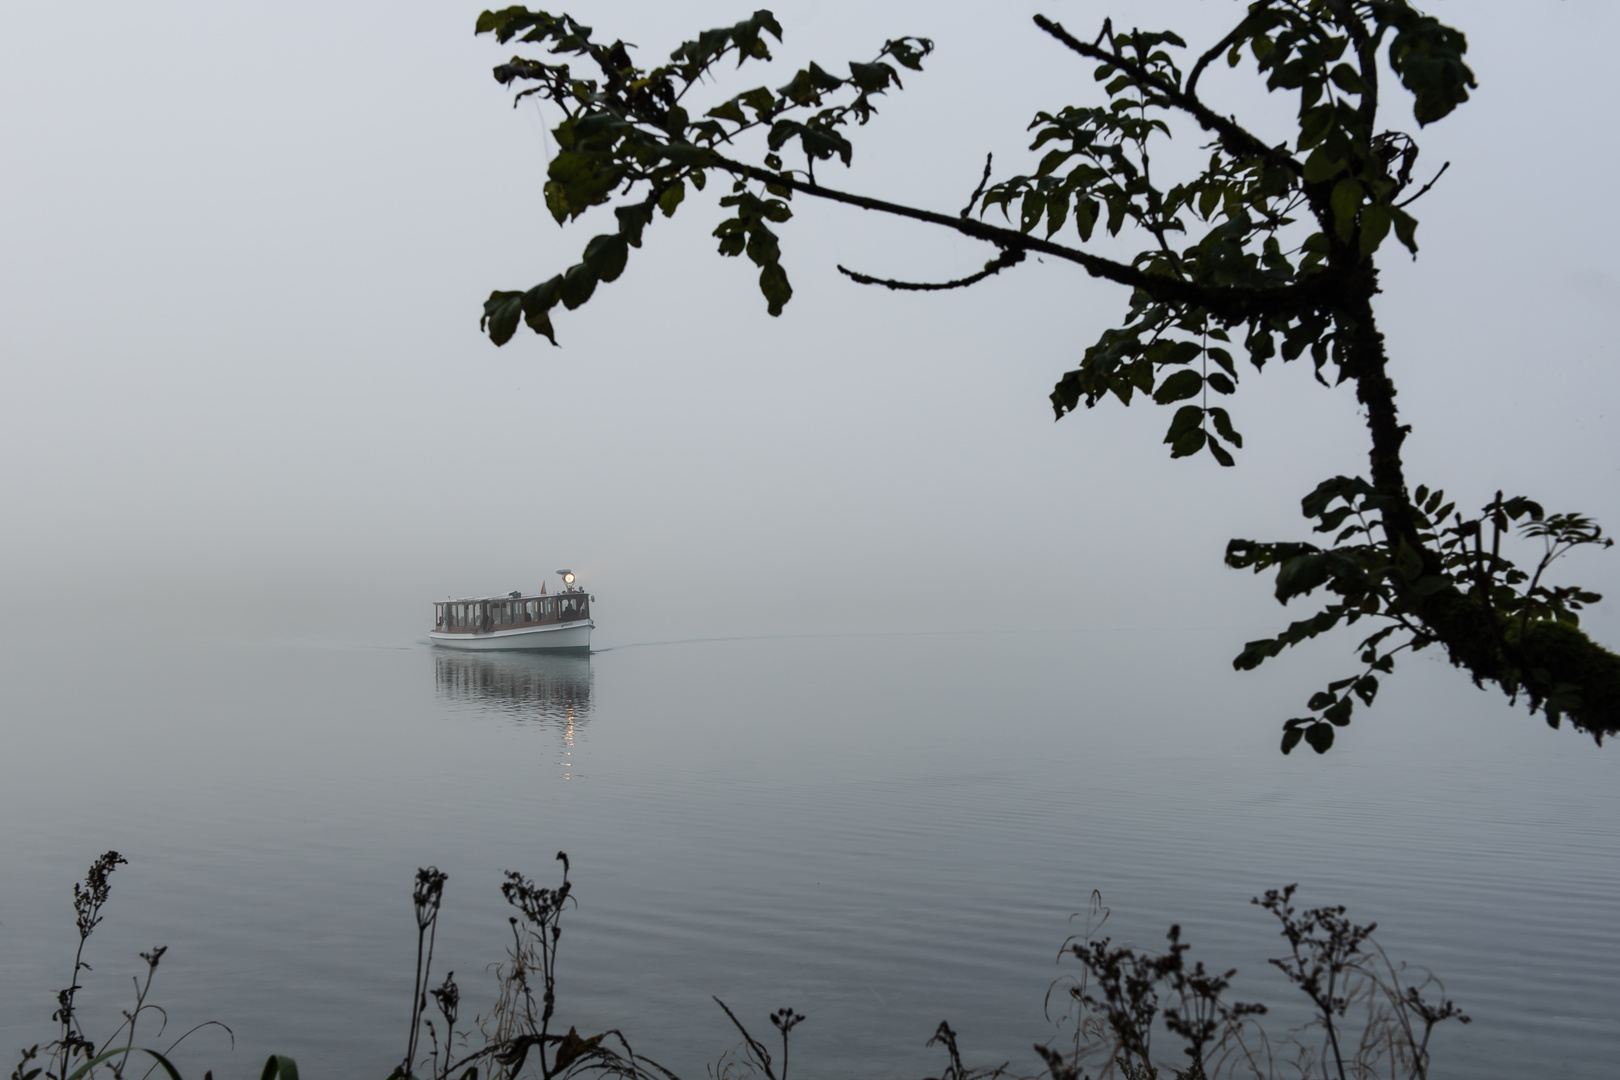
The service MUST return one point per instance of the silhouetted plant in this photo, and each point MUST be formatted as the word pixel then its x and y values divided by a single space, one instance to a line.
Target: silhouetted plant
pixel 517 1035
pixel 425 899
pixel 1123 993
pixel 1335 963
pixel 1371 1022
pixel 88 899
pixel 955 1070
pixel 72 1055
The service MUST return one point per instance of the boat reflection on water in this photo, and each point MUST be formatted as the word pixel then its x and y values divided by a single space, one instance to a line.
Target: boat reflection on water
pixel 547 687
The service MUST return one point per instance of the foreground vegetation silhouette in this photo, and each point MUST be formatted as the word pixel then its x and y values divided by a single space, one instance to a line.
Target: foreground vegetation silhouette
pixel 1369 1015
pixel 1269 250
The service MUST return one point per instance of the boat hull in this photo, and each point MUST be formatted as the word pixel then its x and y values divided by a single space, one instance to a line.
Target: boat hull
pixel 575 636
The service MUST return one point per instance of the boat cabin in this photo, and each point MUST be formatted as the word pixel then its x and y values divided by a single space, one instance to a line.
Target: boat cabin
pixel 491 614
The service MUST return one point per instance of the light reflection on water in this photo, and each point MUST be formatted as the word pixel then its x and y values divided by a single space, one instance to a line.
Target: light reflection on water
pixel 542 687
pixel 881 832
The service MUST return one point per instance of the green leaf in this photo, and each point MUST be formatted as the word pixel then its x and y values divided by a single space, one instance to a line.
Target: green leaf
pixel 1321 700
pixel 1291 737
pixel 1187 418
pixel 1223 426
pixel 1348 79
pixel 1300 574
pixel 728 110
pixel 677 152
pixel 1428 57
pixel 762 246
pixel 1375 222
pixel 107 1055
pixel 1085 217
pixel 1405 229
pixel 1338 714
pixel 1189 444
pixel 633 220
pixel 278 1065
pixel 773 282
pixel 1220 383
pixel 606 256
pixel 556 203
pixel 578 284
pixel 1057 212
pixel 1179 387
pixel 1314 124
pixel 501 313
pixel 1220 453
pixel 872 78
pixel 760 99
pixel 537 305
pixel 672 197
pixel 1320 737
pixel 539 320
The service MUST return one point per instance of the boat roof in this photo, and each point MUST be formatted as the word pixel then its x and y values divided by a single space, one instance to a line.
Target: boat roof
pixel 501 596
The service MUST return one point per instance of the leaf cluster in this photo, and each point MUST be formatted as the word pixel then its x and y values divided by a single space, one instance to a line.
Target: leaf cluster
pixel 1369 579
pixel 630 135
pixel 1266 250
pixel 1265 237
pixel 1123 996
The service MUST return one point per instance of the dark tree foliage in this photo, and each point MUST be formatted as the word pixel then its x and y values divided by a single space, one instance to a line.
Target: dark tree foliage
pixel 1268 252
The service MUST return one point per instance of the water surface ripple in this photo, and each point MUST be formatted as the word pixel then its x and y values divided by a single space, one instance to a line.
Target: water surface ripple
pixel 882 832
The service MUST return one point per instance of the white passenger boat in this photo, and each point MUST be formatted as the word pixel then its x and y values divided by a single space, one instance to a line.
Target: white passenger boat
pixel 560 620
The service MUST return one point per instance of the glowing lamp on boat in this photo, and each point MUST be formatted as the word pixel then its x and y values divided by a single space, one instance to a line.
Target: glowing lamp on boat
pixel 567 576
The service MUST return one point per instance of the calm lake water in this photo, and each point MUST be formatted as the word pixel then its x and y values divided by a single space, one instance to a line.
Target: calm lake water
pixel 881 832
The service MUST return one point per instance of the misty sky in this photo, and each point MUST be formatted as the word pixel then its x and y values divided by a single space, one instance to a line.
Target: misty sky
pixel 244 249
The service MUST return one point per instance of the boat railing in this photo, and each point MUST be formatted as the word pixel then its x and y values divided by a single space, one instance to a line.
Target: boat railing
pixel 484 616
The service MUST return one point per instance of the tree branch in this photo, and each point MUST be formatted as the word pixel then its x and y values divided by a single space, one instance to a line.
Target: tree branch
pixel 1231 132
pixel 995 266
pixel 974 198
pixel 1209 57
pixel 1424 190
pixel 1367 59
pixel 1227 303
